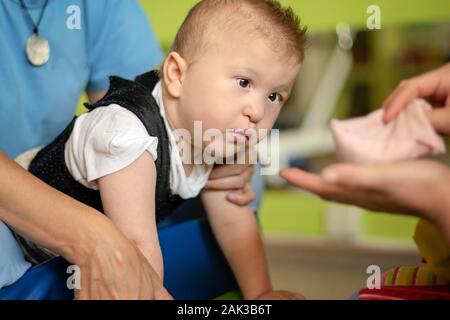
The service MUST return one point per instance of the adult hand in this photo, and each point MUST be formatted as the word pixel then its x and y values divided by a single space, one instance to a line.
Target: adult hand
pixel 114 268
pixel 234 177
pixel 420 188
pixel 433 86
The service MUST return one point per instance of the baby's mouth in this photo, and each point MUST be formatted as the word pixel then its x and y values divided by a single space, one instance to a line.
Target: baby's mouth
pixel 238 135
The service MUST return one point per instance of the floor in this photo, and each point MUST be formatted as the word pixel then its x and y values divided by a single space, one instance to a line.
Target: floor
pixel 321 269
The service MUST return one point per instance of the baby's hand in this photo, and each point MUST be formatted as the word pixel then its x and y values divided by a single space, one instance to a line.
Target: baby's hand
pixel 281 295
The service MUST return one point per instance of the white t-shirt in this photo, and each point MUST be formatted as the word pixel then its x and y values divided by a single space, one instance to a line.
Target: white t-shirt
pixel 109 139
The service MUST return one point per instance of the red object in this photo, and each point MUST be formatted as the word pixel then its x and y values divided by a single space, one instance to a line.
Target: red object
pixel 406 293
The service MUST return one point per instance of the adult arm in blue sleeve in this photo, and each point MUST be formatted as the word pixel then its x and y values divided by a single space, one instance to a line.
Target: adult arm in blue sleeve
pixel 121 43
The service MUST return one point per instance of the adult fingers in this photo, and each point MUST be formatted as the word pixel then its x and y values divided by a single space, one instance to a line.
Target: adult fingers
pixel 419 87
pixel 355 176
pixel 225 170
pixel 229 182
pixel 243 196
pixel 312 182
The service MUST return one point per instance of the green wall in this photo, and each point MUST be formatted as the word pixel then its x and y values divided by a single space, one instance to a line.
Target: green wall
pixel 290 212
pixel 318 15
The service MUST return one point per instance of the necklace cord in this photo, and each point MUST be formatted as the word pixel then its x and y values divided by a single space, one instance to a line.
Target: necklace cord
pixel 35 26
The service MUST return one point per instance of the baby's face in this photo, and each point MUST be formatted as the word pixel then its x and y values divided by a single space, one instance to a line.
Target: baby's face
pixel 239 83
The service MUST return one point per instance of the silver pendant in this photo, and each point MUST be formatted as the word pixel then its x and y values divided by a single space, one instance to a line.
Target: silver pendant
pixel 38 50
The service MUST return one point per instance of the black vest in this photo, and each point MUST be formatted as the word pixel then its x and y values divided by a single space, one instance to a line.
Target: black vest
pixel 136 96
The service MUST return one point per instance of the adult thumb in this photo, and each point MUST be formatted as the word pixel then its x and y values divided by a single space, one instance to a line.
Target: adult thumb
pixel 440 119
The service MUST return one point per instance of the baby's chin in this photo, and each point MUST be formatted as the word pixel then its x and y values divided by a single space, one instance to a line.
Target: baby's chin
pixel 227 152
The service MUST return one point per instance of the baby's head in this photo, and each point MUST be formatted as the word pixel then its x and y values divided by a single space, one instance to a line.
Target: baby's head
pixel 232 65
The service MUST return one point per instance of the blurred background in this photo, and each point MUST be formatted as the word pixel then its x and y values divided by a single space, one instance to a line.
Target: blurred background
pixel 318 248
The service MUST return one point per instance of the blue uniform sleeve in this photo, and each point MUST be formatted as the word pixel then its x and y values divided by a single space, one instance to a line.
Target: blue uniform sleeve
pixel 121 42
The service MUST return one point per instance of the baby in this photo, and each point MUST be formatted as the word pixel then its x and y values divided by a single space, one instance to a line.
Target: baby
pixel 231 68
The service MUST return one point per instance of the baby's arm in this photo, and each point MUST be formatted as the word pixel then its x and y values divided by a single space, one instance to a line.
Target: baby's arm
pixel 128 198
pixel 236 229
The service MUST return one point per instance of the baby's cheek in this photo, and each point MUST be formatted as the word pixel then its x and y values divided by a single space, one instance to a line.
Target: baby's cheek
pixel 213 121
pixel 267 123
pixel 196 115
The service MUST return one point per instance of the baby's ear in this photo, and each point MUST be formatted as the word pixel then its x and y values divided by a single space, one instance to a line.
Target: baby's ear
pixel 173 73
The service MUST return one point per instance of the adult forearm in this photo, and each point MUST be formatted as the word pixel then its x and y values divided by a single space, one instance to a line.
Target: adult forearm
pixel 45 215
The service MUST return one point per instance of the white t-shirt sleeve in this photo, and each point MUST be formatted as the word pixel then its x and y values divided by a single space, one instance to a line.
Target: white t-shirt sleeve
pixel 105 141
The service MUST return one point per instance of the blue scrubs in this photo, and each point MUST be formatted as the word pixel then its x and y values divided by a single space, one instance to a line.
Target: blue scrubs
pixel 36 103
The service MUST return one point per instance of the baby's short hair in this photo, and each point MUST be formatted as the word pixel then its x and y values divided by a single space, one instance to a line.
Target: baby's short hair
pixel 265 18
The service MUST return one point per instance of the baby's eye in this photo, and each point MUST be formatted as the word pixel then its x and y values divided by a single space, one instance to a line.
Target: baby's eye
pixel 244 83
pixel 273 97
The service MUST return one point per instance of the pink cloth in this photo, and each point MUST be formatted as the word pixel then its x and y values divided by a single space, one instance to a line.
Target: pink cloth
pixel 367 140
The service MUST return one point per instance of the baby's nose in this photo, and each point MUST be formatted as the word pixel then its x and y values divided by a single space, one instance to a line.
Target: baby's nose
pixel 255 112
